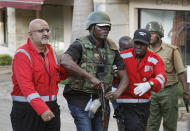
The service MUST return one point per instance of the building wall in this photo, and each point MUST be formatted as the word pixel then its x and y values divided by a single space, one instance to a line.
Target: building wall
pixel 134 5
pixel 56 23
pixel 1 27
pixel 11 30
pixel 23 18
pixel 123 14
pixel 60 25
pixel 118 10
pixel 68 13
pixel 17 29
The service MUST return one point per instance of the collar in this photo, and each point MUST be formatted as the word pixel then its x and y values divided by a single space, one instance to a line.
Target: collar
pixel 93 42
pixel 163 46
pixel 33 48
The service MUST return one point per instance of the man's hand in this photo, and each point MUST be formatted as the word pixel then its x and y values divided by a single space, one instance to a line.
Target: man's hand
pixel 186 98
pixel 47 115
pixel 141 88
pixel 96 83
pixel 112 95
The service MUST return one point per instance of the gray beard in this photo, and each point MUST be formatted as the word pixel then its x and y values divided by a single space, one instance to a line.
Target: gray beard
pixel 44 42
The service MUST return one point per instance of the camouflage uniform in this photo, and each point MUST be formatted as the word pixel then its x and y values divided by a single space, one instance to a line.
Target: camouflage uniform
pixel 165 103
pixel 94 59
pixel 90 60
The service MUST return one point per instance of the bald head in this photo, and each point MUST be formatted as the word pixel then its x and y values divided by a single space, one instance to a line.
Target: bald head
pixel 36 22
pixel 39 32
pixel 125 42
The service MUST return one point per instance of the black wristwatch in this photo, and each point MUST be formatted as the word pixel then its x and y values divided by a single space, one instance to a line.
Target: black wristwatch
pixel 151 84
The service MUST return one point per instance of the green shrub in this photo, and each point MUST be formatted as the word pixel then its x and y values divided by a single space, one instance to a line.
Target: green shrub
pixel 5 59
pixel 180 90
pixel 180 94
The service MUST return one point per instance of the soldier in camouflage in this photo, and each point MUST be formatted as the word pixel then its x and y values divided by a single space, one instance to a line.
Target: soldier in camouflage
pixel 165 103
pixel 85 59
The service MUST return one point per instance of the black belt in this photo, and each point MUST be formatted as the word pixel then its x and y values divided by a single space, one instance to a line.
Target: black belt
pixel 26 103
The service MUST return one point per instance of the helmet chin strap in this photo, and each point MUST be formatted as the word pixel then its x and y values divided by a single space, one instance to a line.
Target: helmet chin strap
pixel 159 38
pixel 92 31
pixel 93 34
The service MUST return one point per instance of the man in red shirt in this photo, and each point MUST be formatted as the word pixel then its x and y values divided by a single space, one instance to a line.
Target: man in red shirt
pixel 145 71
pixel 36 73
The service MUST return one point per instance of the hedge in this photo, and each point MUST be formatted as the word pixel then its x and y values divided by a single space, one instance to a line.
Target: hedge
pixel 5 59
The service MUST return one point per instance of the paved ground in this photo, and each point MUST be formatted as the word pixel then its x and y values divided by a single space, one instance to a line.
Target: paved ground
pixel 66 120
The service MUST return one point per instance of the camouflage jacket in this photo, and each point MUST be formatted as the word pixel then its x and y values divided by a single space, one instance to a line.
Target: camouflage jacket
pixel 92 58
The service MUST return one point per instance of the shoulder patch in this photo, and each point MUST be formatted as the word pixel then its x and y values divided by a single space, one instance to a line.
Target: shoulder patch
pixel 152 60
pixel 126 55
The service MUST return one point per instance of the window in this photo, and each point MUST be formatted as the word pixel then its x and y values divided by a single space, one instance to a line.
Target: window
pixel 3 27
pixel 53 14
pixel 176 28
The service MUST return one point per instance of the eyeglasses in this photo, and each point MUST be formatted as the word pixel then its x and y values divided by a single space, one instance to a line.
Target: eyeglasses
pixel 104 27
pixel 41 30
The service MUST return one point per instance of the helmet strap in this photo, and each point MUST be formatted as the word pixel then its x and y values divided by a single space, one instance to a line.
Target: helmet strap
pixel 92 33
pixel 159 40
pixel 92 30
pixel 159 37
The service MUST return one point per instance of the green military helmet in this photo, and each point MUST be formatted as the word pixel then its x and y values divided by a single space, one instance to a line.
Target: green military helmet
pixel 97 17
pixel 155 27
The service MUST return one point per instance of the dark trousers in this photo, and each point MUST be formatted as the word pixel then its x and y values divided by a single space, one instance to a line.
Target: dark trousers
pixel 24 118
pixel 84 123
pixel 135 115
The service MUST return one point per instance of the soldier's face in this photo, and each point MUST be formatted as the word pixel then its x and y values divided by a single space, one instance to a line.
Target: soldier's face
pixel 101 32
pixel 140 49
pixel 154 38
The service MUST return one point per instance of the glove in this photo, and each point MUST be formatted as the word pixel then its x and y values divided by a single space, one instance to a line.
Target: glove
pixel 141 88
pixel 93 108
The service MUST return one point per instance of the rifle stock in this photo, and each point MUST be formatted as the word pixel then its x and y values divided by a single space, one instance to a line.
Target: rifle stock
pixel 100 76
pixel 104 111
pixel 186 105
pixel 186 102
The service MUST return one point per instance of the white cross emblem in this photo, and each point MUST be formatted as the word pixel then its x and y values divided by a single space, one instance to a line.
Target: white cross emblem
pixel 142 33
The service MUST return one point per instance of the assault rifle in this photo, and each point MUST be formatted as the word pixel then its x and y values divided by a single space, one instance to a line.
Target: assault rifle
pixel 101 100
pixel 186 102
pixel 100 75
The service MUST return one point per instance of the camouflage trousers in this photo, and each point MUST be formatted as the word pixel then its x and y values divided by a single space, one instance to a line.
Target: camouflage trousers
pixel 164 104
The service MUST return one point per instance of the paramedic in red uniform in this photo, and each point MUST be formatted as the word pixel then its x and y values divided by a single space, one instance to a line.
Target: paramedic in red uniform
pixel 146 73
pixel 36 73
